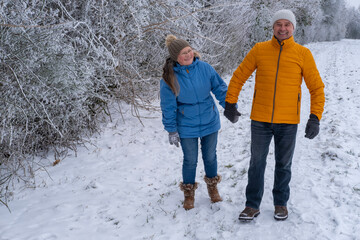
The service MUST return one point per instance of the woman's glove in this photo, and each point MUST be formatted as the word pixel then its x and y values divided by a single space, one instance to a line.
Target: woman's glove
pixel 231 112
pixel 174 138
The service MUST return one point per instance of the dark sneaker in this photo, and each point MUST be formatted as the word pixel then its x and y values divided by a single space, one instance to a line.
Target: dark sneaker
pixel 249 214
pixel 281 213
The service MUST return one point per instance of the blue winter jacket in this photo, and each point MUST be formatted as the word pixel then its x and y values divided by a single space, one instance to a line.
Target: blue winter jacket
pixel 193 112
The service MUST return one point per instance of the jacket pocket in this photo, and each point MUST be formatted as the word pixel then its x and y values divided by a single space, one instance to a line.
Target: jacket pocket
pixel 253 103
pixel 188 115
pixel 298 104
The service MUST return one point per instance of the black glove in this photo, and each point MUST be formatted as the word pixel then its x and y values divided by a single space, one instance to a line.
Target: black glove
pixel 312 127
pixel 174 138
pixel 231 112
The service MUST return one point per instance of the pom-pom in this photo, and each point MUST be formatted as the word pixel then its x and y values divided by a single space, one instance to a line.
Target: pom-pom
pixel 169 39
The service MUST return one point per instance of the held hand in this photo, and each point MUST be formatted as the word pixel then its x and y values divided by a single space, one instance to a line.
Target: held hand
pixel 174 138
pixel 312 127
pixel 231 112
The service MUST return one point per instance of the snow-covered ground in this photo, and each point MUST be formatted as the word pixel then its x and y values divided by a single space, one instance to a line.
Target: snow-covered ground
pixel 126 185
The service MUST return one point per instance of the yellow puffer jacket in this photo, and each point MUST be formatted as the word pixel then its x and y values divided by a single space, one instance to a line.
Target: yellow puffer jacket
pixel 279 72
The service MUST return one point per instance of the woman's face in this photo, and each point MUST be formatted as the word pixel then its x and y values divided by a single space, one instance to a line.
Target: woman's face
pixel 186 56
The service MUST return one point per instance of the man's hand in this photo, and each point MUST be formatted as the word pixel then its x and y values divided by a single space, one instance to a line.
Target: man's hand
pixel 174 138
pixel 231 112
pixel 312 127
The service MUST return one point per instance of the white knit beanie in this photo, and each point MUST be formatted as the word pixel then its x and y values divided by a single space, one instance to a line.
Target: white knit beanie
pixel 284 14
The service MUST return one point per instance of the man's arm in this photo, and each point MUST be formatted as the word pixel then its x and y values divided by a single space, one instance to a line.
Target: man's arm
pixel 314 84
pixel 241 74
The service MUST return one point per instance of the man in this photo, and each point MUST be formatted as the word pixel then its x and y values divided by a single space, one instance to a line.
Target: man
pixel 280 65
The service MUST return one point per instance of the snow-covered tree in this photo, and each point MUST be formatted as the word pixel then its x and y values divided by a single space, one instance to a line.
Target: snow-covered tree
pixel 353 27
pixel 333 23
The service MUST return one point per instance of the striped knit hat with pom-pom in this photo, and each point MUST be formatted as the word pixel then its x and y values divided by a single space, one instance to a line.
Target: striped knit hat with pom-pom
pixel 175 46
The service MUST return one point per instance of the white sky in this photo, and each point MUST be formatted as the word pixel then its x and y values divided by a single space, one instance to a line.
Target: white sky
pixel 353 3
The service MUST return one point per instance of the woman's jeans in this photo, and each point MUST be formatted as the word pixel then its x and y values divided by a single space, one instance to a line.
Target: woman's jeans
pixel 190 148
pixel 285 138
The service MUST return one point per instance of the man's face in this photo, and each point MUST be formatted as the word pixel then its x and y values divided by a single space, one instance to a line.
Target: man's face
pixel 283 29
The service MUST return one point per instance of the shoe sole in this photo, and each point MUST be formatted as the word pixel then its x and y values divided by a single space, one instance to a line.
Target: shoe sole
pixel 279 218
pixel 247 219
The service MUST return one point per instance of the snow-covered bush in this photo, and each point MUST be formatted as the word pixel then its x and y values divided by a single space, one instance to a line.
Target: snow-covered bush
pixel 52 86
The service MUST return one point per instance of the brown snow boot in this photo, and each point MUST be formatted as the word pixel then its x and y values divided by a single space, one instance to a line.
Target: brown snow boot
pixel 189 194
pixel 212 188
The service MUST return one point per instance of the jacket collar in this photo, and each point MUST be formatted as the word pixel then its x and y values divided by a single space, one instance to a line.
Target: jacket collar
pixel 179 68
pixel 287 43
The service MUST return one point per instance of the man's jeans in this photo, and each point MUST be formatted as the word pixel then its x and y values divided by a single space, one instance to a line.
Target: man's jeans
pixel 285 138
pixel 190 148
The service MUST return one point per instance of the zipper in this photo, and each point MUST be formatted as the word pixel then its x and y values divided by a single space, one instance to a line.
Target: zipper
pixel 276 77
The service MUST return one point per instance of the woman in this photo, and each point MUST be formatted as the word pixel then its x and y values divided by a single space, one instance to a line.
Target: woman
pixel 189 113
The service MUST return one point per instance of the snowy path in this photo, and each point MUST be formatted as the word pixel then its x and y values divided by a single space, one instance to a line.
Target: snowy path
pixel 328 171
pixel 127 186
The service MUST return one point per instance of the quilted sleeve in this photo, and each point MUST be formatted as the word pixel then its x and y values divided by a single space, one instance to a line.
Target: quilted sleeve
pixel 314 84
